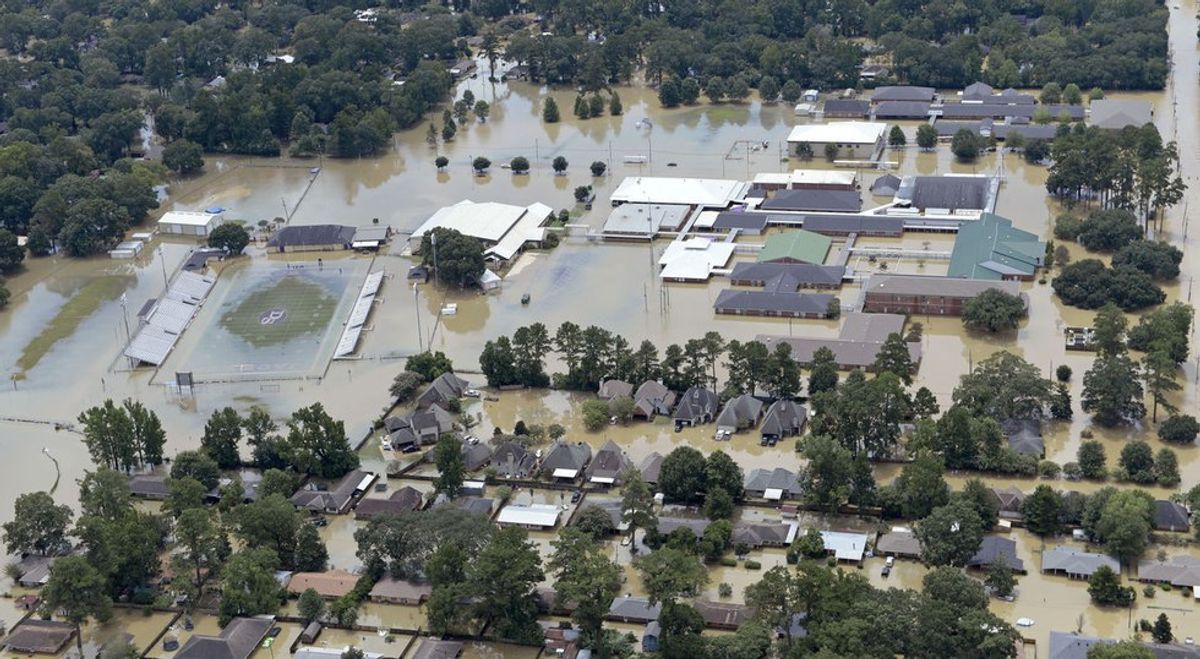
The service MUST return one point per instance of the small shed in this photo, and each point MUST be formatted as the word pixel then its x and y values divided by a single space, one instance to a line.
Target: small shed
pixel 189 223
pixel 311 632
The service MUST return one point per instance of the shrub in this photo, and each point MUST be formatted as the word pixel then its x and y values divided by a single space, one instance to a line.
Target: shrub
pixel 752 565
pixel 1048 469
pixel 729 561
pixel 1063 373
pixel 725 590
pixel 1180 429
pixel 520 165
pixel 1067 227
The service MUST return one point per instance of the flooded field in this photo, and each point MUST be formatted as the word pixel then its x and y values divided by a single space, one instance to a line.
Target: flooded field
pixel 61 337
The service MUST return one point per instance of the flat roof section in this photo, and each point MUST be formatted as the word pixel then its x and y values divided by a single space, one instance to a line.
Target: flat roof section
pixel 188 218
pixel 487 221
pixel 810 199
pixel 703 192
pixel 740 220
pixel 694 259
pixel 645 219
pixel 924 285
pixel 839 132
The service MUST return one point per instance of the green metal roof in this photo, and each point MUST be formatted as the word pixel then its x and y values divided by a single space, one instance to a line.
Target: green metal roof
pixel 798 245
pixel 991 248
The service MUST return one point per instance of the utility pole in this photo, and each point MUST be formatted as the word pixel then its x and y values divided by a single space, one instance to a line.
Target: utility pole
pixel 162 260
pixel 417 313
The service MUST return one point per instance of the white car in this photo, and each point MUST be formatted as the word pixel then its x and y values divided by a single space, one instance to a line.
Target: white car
pixel 471 393
pixel 1024 622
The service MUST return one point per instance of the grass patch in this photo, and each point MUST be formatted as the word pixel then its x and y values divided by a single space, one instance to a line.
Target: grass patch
pixel 84 303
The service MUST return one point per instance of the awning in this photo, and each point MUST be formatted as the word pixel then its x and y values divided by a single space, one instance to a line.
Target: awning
pixel 603 480
pixel 565 473
pixel 773 494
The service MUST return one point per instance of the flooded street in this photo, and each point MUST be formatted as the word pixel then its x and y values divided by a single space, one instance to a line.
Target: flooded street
pixel 62 335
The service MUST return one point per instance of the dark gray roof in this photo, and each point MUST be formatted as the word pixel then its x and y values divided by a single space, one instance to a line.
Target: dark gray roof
pixel 441 390
pixel 564 455
pixel 722 615
pixel 993 548
pixel 902 110
pixel 477 505
pixel 436 649
pixel 761 535
pixel 766 303
pixel 809 199
pixel 948 192
pixel 476 455
pixel 40 636
pixel 333 499
pixel 899 543
pixel 610 462
pixel 1024 436
pixel 847 107
pixel 402 500
pixel 951 128
pixel 841 225
pixel 1115 114
pixel 651 467
pixel 238 640
pixel 750 273
pixel 735 220
pixel 697 401
pixel 744 409
pixel 885 185
pixel 313 234
pixel 1028 131
pixel 513 461
pixel 978 90
pixel 1076 563
pixel 761 480
pixel 1003 109
pixel 784 417
pixel 633 609
pixel 614 389
pixel 926 285
pixel 902 93
pixel 1009 499
pixel 149 486
pixel 1170 516
pixel 696 525
pixel 1072 646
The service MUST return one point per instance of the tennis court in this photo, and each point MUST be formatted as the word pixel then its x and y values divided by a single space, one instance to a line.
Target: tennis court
pixel 271 319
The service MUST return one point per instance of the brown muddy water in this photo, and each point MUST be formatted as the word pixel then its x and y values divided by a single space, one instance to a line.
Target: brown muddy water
pixel 61 336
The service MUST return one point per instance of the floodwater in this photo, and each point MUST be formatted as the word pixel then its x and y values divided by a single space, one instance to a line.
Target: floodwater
pixel 61 337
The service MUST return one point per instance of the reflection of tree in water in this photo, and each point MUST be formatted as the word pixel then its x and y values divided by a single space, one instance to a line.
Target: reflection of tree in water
pixel 278 312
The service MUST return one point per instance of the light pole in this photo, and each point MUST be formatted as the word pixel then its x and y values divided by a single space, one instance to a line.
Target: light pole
pixel 162 260
pixel 417 313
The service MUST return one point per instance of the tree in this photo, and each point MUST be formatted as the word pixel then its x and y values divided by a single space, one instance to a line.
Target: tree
pixel 598 168
pixel 103 493
pixel 1179 429
pixel 39 526
pixel 980 498
pixel 1166 468
pixel 682 476
pixel 831 151
pixel 1004 386
pixel 584 575
pixel 271 523
pixel 768 89
pixel 593 521
pixel 429 365
pixel 405 385
pixel 823 371
pixel 1112 391
pixel 993 311
pixel 77 591
pixel 248 586
pixel 480 164
pixel 201 546
pixel 1120 650
pixel 458 258
pixel 184 494
pixel 1060 404
pixel 1092 460
pixel 1104 586
pixel 311 607
pixel 637 504
pixel 1137 461
pixel 670 573
pixel 183 157
pixel 108 435
pixel 198 466
pixel 317 444
pixel 1000 577
pixel 966 144
pixel 311 554
pixel 448 457
pixel 926 136
pixel 722 473
pixel 482 110
pixel 896 137
pixel 559 164
pixel 11 253
pixel 1042 510
pixel 1159 371
pixel 1161 632
pixel 826 477
pixel 1124 524
pixel 922 487
pixel 502 580
pixel 441 161
pixel 925 405
pixel 950 535
pixel 550 111
pixel 1051 94
pixel 614 104
pixel 1109 230
pixel 894 357
pixel 222 433
pixel 1158 259
pixel 520 165
pixel 230 236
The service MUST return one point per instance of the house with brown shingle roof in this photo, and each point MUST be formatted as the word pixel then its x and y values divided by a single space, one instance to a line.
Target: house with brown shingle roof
pixel 390 590
pixel 403 500
pixel 330 584
pixel 238 640
pixel 609 465
pixel 39 637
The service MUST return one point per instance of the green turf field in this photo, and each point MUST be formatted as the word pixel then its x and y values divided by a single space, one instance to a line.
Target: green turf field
pixel 281 311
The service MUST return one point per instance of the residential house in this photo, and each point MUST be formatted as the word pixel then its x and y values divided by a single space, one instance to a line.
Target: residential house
pixel 475 455
pixel 148 486
pixel 1181 571
pixel 610 389
pixel 1008 501
pixel 845 546
pixel 408 592
pixel 650 468
pixel 995 548
pixel 698 405
pixel 33 636
pixel 336 500
pixel 440 392
pixel 513 460
pixel 784 418
pixel 1024 436
pixel 240 638
pixel 739 414
pixel 1065 645
pixel 535 516
pixel 627 608
pixel 309 652
pixel 405 499
pixel 1076 564
pixel 773 484
pixel 330 584
pixel 609 465
pixel 566 460
pixel 696 525
pixel 764 535
pixel 901 543
pixel 721 615
pixel 432 648
pixel 652 398
pixel 1170 516
pixel 35 570
pixel 423 427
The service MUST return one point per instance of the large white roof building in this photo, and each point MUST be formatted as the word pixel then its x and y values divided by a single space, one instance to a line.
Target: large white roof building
pixel 702 192
pixel 503 228
pixel 839 132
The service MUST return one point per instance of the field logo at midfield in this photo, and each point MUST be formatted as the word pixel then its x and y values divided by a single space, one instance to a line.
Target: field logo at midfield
pixel 272 316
